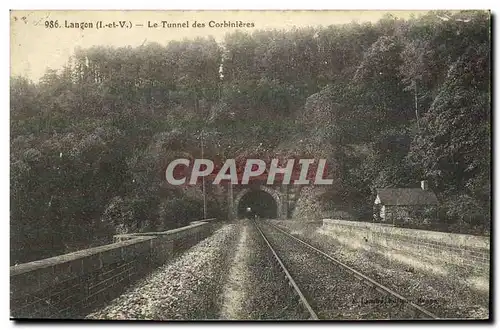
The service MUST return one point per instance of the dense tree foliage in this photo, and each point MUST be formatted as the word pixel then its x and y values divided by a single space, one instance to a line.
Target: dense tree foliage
pixel 387 103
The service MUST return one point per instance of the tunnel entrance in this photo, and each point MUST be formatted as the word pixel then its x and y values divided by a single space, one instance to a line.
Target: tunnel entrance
pixel 257 202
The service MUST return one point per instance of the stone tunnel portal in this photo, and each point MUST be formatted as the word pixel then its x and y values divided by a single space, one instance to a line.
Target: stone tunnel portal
pixel 257 202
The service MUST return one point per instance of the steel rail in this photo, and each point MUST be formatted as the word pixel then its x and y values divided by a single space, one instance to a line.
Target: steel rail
pixel 361 276
pixel 303 299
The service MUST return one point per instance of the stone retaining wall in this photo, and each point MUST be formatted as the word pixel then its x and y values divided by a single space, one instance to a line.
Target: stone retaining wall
pixel 454 248
pixel 71 285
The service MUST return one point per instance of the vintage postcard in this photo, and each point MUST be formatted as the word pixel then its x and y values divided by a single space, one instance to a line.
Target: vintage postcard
pixel 250 165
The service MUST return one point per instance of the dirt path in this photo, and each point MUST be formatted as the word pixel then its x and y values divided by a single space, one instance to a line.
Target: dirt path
pixel 234 293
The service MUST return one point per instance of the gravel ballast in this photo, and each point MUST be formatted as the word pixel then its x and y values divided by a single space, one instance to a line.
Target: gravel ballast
pixel 233 275
pixel 333 292
pixel 448 295
pixel 189 288
pixel 269 297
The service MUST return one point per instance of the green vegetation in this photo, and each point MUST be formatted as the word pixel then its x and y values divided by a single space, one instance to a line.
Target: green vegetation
pixel 387 104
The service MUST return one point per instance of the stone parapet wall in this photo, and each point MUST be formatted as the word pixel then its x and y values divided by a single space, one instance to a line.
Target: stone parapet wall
pixel 457 248
pixel 71 285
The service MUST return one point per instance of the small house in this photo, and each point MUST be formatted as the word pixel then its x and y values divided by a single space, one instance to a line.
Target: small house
pixel 403 204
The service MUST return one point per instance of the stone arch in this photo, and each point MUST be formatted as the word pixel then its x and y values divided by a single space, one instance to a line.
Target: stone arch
pixel 274 194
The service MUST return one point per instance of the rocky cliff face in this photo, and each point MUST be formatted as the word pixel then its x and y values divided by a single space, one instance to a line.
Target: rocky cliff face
pixel 308 205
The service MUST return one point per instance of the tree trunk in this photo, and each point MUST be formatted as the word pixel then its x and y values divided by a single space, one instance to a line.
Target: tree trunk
pixel 416 104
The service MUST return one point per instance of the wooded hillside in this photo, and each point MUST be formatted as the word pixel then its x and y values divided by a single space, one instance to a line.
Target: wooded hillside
pixel 389 104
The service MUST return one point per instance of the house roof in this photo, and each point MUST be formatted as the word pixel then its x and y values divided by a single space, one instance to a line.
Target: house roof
pixel 406 196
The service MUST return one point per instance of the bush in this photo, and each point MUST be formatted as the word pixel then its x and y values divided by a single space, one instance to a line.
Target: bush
pixel 466 214
pixel 180 211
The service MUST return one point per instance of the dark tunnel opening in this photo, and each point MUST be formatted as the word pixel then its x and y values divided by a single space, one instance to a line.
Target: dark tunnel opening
pixel 257 202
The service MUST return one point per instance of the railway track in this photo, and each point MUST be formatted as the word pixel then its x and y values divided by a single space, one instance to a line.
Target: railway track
pixel 289 277
pixel 327 293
